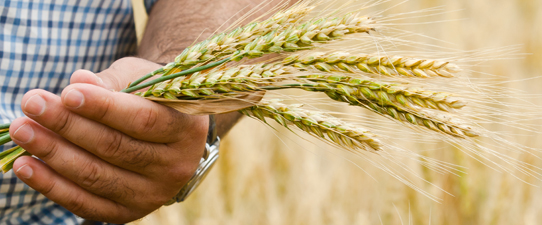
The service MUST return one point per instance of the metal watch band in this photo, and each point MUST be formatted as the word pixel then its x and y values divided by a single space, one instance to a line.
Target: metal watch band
pixel 209 158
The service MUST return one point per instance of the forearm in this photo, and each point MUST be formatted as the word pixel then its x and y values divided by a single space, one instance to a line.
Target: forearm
pixel 176 24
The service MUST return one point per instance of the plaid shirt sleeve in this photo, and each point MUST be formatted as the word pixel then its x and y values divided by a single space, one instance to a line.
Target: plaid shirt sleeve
pixel 41 44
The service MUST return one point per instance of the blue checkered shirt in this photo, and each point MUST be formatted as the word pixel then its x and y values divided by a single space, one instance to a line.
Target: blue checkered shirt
pixel 41 44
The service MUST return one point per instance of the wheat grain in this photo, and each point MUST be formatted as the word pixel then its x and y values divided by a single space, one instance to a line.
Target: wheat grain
pixel 316 124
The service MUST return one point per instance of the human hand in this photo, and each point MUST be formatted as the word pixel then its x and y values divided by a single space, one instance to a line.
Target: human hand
pixel 109 156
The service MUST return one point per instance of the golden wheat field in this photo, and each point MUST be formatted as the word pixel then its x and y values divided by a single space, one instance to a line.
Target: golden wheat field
pixel 267 176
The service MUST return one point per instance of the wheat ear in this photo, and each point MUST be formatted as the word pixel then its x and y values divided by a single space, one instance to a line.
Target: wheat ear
pixel 315 123
pixel 215 83
pixel 388 93
pixel 305 35
pixel 228 43
pixel 383 103
pixel 383 65
pixel 437 121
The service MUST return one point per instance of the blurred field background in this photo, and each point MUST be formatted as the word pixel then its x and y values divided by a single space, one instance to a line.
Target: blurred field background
pixel 274 177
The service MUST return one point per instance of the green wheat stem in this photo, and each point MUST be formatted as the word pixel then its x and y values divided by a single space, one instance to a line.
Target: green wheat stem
pixel 9 156
pixel 5 138
pixel 4 126
pixel 149 75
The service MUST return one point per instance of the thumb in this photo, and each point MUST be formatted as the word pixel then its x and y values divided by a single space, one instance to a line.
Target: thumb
pixel 87 77
pixel 117 77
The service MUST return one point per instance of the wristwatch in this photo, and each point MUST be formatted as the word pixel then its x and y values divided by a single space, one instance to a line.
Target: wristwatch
pixel 209 158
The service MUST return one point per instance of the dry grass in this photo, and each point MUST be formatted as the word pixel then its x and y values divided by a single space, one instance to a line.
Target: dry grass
pixel 271 177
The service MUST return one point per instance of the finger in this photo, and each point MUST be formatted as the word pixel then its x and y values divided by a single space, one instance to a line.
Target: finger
pixel 134 116
pixel 80 166
pixel 111 145
pixel 87 77
pixel 67 194
pixel 126 70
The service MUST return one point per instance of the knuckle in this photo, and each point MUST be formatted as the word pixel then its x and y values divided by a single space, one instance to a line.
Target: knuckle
pixel 145 120
pixel 182 173
pixel 110 144
pixel 64 124
pixel 90 176
pixel 76 204
pixel 139 154
pixel 48 188
pixel 95 179
pixel 201 129
pixel 49 151
pixel 104 108
pixel 127 191
pixel 198 128
pixel 125 149
pixel 79 206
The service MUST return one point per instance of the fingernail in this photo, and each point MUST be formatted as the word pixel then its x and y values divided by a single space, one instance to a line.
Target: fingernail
pixel 24 134
pixel 74 99
pixel 100 81
pixel 35 105
pixel 25 172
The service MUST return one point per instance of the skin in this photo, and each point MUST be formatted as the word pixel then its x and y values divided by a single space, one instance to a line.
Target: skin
pixel 111 156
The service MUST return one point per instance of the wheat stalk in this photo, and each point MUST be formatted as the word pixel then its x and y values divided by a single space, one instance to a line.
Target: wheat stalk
pixel 316 124
pixel 374 64
pixel 4 138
